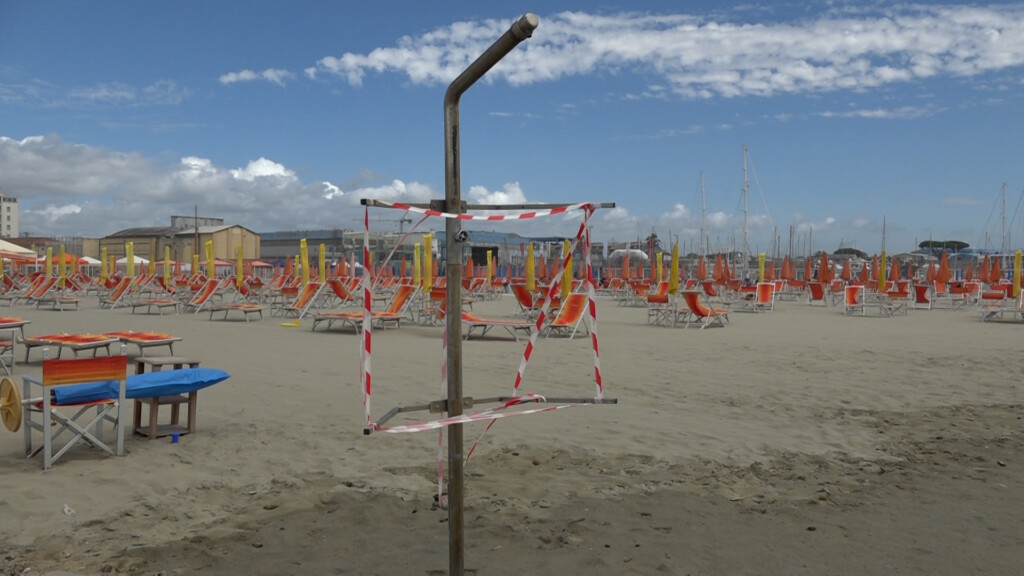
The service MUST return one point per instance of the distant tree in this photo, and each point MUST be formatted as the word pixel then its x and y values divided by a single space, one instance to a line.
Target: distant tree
pixel 654 241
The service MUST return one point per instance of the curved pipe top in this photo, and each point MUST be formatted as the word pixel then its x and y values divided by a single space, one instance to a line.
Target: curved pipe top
pixel 520 30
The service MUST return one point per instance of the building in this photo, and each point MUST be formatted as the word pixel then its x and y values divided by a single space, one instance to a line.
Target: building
pixel 184 242
pixel 8 216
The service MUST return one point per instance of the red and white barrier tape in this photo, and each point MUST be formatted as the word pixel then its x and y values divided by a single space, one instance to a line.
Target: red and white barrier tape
pixel 493 217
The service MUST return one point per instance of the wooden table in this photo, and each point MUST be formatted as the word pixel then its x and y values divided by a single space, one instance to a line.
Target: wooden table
pixel 154 429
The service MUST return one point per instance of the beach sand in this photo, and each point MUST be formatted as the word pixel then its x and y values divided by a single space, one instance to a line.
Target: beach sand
pixel 799 441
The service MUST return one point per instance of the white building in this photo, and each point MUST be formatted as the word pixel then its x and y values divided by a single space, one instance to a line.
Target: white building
pixel 8 216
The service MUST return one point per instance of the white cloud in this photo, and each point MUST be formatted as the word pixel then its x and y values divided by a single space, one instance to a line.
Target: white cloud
pixel 511 193
pixel 53 213
pixel 701 57
pixel 274 75
pixel 72 189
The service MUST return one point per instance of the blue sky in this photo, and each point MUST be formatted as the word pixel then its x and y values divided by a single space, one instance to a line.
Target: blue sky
pixel 281 116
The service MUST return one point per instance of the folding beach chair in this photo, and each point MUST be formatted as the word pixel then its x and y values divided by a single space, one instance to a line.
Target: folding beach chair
pixel 304 300
pixel 567 322
pixel 84 421
pixel 117 295
pixel 201 299
pixel 699 313
pixel 764 297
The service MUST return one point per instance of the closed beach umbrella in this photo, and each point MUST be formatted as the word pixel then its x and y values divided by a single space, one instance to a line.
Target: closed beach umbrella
pixel 673 273
pixel 717 273
pixel 304 260
pixel 847 273
pixel 195 262
pixel 661 267
pixel 490 269
pixel 322 263
pixel 1016 273
pixel 894 272
pixel 49 261
pixel 416 270
pixel 864 273
pixel 167 266
pixel 567 271
pixel 996 275
pixel 929 276
pixel 702 269
pixel 211 265
pixel 824 272
pixel 103 265
pixel 969 275
pixel 62 267
pixel 129 260
pixel 807 270
pixel 428 262
pixel 531 272
pixel 881 271
pixel 984 269
pixel 944 273
pixel 769 271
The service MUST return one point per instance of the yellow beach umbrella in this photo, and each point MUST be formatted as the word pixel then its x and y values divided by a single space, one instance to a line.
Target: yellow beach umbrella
pixel 417 279
pixel 428 261
pixel 304 260
pixel 673 270
pixel 567 272
pixel 112 265
pixel 211 265
pixel 661 267
pixel 239 267
pixel 62 270
pixel 1016 273
pixel 531 269
pixel 322 263
pixel 49 261
pixel 490 270
pixel 129 259
pixel 195 263
pixel 167 266
pixel 760 267
pixel 881 271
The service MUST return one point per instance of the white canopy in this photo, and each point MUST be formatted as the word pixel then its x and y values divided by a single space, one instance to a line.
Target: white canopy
pixel 138 260
pixel 12 248
pixel 88 261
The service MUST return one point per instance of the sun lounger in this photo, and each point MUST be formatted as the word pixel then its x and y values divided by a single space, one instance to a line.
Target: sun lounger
pixel 74 342
pixel 473 322
pixel 145 340
pixel 158 303
pixel 243 308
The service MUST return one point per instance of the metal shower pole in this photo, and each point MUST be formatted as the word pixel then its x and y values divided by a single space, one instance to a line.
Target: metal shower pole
pixel 521 30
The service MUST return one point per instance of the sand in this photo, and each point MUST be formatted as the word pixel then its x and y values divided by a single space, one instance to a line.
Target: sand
pixel 799 441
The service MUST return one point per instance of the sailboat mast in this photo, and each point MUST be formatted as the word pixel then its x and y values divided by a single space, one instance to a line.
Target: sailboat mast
pixel 703 216
pixel 1004 248
pixel 746 187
